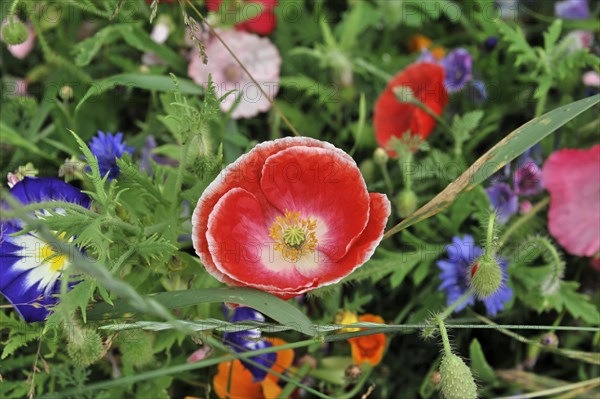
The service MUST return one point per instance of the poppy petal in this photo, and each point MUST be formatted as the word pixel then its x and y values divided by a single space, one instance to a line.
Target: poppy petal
pixel 244 173
pixel 316 181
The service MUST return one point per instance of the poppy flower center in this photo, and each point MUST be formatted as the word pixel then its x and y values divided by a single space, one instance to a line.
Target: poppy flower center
pixel 232 73
pixel 294 236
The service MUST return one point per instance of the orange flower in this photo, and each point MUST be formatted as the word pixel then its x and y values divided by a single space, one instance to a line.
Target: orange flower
pixel 242 387
pixel 438 52
pixel 368 348
pixel 418 43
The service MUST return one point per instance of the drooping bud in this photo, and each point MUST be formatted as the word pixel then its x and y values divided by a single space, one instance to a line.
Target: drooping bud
pixel 486 276
pixel 85 347
pixel 380 156
pixel 406 203
pixel 456 379
pixel 14 33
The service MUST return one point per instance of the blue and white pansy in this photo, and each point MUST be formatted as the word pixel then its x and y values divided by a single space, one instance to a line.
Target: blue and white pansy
pixel 30 267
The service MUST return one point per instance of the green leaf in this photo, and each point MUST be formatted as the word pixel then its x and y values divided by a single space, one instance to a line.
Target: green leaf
pixel 480 367
pixel 502 153
pixel 86 50
pixel 552 35
pixel 140 81
pixel 578 304
pixel 10 136
pixel 277 309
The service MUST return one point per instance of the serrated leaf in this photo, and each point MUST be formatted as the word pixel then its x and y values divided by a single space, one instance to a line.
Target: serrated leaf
pixel 578 305
pixel 551 36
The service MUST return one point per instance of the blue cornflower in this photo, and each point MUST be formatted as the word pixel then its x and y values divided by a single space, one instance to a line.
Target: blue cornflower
pixel 29 266
pixel 572 9
pixel 458 65
pixel 504 201
pixel 108 148
pixel 456 271
pixel 250 340
pixel 477 92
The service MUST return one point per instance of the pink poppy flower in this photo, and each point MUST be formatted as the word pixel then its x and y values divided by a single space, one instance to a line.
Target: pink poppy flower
pixel 258 55
pixel 21 51
pixel 292 215
pixel 572 177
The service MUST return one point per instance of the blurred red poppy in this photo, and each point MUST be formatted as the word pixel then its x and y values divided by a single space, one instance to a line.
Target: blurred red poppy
pixel 263 24
pixel 393 118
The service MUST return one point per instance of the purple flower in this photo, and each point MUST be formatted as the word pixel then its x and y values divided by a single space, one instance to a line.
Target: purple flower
pixel 426 56
pixel 108 148
pixel 458 65
pixel 456 271
pixel 30 268
pixel 528 179
pixel 504 201
pixel 147 157
pixel 572 9
pixel 250 340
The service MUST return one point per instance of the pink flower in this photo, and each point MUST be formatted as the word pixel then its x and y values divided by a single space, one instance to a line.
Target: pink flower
pixel 573 179
pixel 20 51
pixel 579 40
pixel 257 54
pixel 292 215
pixel 591 78
pixel 524 207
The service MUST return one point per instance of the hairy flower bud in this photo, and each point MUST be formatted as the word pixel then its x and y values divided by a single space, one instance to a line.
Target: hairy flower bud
pixel 85 347
pixel 486 276
pixel 406 203
pixel 135 347
pixel 457 381
pixel 14 33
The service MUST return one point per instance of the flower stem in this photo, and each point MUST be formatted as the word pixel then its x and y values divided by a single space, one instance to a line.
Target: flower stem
pixel 415 101
pixel 444 315
pixel 522 220
pixel 490 242
pixel 406 172
pixel 386 177
pixel 444 335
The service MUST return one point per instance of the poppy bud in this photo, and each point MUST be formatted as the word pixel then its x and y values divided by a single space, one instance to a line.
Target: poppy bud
pixel 14 33
pixel 486 276
pixel 368 170
pixel 85 347
pixel 406 203
pixel 136 347
pixel 380 156
pixel 457 381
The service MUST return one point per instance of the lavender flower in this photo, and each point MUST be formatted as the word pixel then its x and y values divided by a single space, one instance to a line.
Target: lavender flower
pixel 458 65
pixel 456 271
pixel 572 9
pixel 108 148
pixel 504 201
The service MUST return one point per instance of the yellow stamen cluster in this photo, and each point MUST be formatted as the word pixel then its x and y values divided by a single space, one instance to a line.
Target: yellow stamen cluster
pixel 47 254
pixel 294 236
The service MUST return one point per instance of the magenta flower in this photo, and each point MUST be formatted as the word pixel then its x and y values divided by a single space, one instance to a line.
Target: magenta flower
pixel 528 179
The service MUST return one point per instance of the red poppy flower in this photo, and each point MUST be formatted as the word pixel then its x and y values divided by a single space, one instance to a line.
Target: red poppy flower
pixel 394 118
pixel 290 216
pixel 263 24
pixel 572 177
